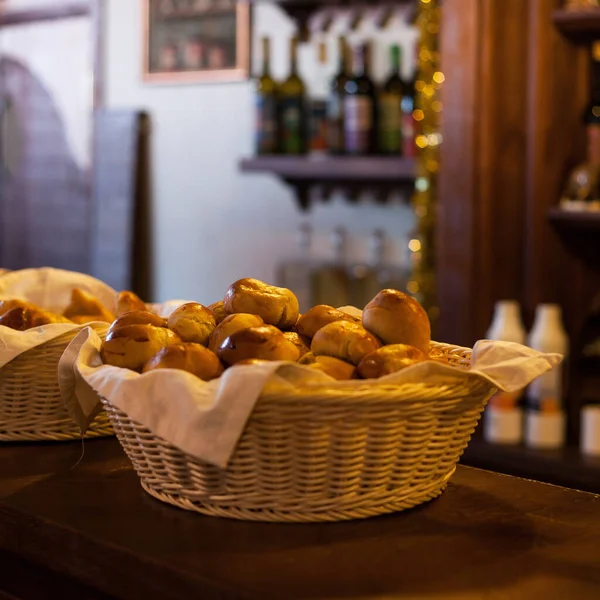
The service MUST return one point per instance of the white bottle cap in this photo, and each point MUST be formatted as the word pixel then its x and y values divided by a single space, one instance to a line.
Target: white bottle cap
pixel 545 430
pixel 590 430
pixel 503 426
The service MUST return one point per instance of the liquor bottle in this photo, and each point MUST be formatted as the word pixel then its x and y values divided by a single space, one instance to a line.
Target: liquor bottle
pixel 545 420
pixel 318 104
pixel 292 109
pixel 582 191
pixel 391 116
pixel 266 106
pixel 360 106
pixel 330 282
pixel 296 274
pixel 503 418
pixel 335 105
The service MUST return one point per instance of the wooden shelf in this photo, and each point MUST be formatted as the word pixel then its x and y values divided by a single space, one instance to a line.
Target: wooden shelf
pixel 364 168
pixel 566 467
pixel 572 219
pixel 352 174
pixel 579 25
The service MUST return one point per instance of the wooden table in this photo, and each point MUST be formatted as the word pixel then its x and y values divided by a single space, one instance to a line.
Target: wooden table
pixel 91 532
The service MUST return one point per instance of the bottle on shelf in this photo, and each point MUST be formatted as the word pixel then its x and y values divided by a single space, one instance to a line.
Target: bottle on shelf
pixel 296 274
pixel 360 106
pixel 582 191
pixel 503 417
pixel 266 105
pixel 545 420
pixel 335 104
pixel 318 104
pixel 391 116
pixel 330 281
pixel 292 108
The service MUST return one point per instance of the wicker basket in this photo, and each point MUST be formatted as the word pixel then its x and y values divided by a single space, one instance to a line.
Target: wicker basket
pixel 321 456
pixel 31 406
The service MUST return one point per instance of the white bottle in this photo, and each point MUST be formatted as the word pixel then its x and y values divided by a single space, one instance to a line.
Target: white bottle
pixel 503 417
pixel 545 419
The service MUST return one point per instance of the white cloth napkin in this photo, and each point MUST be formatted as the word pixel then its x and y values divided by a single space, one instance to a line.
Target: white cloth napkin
pixel 206 419
pixel 51 290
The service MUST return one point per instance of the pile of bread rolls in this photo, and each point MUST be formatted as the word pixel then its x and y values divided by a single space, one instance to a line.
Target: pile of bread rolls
pixel 256 322
pixel 83 308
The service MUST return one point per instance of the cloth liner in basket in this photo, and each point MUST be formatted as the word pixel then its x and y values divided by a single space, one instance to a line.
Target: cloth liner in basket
pixel 282 442
pixel 31 406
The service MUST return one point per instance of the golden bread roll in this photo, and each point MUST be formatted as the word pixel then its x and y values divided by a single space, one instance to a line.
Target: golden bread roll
pixel 193 322
pixel 190 357
pixel 18 318
pixel 389 359
pixel 230 325
pixel 344 340
pixel 276 306
pixel 83 303
pixel 265 342
pixel 138 317
pixel 132 346
pixel 6 305
pixel 334 367
pixel 41 317
pixel 302 343
pixel 319 316
pixel 218 309
pixel 397 318
pixel 128 301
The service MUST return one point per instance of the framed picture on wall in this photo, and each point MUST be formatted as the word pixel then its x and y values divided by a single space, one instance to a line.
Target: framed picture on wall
pixel 196 40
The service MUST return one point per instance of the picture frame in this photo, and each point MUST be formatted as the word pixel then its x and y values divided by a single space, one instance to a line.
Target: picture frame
pixel 189 41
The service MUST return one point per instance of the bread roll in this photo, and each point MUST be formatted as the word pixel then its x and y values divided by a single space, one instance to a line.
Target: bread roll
pixel 230 325
pixel 128 301
pixel 276 306
pixel 265 342
pixel 218 309
pixel 334 367
pixel 347 341
pixel 41 317
pixel 138 317
pixel 302 343
pixel 397 318
pixel 193 322
pixel 83 303
pixel 389 359
pixel 18 318
pixel 319 316
pixel 193 358
pixel 132 346
pixel 6 305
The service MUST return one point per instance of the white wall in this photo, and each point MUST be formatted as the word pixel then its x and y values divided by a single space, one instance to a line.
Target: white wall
pixel 212 224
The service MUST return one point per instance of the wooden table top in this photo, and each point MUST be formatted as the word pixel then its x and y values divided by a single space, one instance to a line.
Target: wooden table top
pixel 91 525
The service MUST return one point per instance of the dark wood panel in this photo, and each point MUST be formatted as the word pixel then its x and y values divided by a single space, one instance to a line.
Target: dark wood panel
pixel 59 10
pixel 488 534
pixel 578 25
pixel 575 220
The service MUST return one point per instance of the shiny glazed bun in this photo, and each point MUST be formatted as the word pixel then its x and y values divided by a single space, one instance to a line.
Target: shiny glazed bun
pixel 132 346
pixel 302 343
pixel 334 367
pixel 17 318
pixel 193 358
pixel 230 325
pixel 138 317
pixel 218 309
pixel 39 317
pixel 193 322
pixel 276 306
pixel 319 316
pixel 6 305
pixel 389 359
pixel 83 303
pixel 397 318
pixel 128 301
pixel 265 342
pixel 344 340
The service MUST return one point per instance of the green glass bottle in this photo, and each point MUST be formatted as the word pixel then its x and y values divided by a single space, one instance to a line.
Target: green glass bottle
pixel 390 107
pixel 292 108
pixel 266 106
